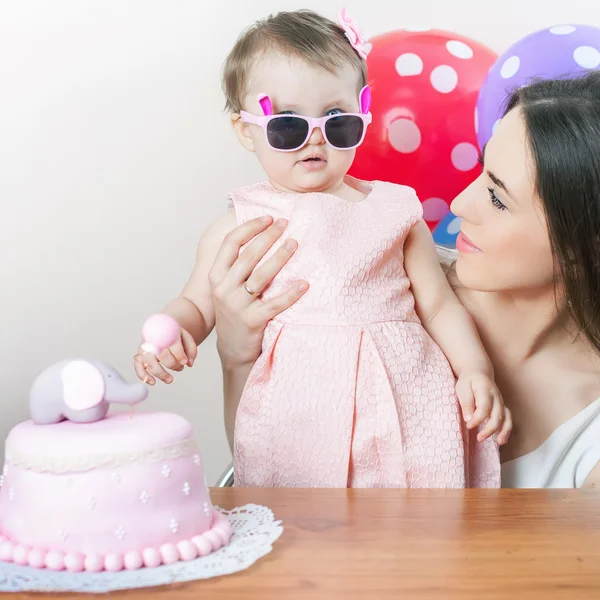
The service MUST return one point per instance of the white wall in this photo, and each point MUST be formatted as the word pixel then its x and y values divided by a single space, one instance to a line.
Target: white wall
pixel 115 155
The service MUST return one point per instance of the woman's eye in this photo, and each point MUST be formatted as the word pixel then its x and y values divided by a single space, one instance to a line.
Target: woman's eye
pixel 334 111
pixel 495 200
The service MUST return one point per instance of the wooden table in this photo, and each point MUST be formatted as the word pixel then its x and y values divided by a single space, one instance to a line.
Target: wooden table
pixel 423 544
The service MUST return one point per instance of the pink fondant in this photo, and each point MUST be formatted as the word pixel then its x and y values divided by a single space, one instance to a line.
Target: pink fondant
pixel 36 558
pixel 6 551
pixel 83 385
pixel 151 557
pixel 20 554
pixel 113 561
pixel 117 433
pixel 128 514
pixel 74 562
pixel 169 554
pixel 187 550
pixel 160 331
pixel 202 544
pixel 93 563
pixel 133 561
pixel 55 560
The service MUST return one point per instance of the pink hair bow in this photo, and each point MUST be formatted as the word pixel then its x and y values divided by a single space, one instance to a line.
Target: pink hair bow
pixel 354 33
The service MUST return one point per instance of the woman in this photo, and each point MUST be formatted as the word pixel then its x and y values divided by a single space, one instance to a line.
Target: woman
pixel 528 271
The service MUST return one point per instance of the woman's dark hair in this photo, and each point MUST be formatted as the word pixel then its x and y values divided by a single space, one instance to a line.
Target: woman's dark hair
pixel 562 121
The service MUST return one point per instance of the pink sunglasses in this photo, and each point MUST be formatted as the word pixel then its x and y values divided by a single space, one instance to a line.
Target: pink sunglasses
pixel 287 133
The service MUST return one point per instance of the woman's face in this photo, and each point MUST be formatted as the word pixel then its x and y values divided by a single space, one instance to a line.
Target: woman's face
pixel 504 243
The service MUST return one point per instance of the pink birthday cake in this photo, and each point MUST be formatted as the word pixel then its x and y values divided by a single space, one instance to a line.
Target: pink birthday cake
pixel 122 492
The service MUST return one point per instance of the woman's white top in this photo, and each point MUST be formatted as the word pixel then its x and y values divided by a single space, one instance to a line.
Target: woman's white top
pixel 564 460
pixel 567 457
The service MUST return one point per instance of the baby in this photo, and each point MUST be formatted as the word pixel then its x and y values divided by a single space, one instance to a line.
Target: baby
pixel 359 382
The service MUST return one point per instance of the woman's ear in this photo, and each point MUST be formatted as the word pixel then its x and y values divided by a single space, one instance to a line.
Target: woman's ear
pixel 242 131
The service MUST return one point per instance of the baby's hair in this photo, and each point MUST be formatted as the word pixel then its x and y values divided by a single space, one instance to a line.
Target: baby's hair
pixel 303 34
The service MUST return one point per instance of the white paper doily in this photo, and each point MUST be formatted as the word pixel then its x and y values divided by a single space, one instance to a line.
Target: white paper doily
pixel 254 531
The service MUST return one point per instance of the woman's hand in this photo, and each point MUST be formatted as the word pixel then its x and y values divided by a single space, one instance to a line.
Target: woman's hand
pixel 237 283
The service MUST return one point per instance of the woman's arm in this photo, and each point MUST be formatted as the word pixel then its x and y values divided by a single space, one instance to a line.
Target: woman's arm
pixel 241 317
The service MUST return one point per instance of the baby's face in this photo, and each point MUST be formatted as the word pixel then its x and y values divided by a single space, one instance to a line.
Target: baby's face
pixel 294 86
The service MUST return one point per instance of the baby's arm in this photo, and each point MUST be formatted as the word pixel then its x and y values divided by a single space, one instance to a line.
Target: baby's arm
pixel 448 322
pixel 192 309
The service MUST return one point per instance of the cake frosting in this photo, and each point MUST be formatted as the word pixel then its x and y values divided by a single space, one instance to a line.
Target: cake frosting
pixel 124 492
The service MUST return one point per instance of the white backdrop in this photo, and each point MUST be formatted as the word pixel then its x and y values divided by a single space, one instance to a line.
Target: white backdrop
pixel 115 155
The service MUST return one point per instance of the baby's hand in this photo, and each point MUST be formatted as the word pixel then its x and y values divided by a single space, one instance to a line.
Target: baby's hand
pixel 480 399
pixel 149 367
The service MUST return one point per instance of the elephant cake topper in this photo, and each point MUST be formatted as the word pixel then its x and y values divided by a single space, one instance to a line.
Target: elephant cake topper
pixel 81 391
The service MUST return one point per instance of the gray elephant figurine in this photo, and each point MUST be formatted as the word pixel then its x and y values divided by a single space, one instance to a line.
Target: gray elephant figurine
pixel 80 390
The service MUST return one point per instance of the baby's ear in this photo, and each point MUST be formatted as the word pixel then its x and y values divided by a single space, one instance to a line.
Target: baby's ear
pixel 242 131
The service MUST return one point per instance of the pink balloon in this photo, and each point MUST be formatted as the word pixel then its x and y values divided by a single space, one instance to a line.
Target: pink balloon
pixel 159 331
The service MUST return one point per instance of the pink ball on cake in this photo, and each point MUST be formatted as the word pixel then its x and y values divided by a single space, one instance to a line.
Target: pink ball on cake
pixel 159 331
pixel 187 550
pixel 214 539
pixel 169 554
pixel 6 550
pixel 55 560
pixel 202 544
pixel 113 561
pixel 20 555
pixel 94 563
pixel 74 562
pixel 223 529
pixel 151 557
pixel 133 560
pixel 36 558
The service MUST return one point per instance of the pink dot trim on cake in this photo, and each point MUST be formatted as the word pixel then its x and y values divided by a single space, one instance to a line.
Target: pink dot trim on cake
pixel 200 545
pixel 151 557
pixel 36 558
pixel 113 561
pixel 133 560
pixel 6 550
pixel 93 563
pixel 74 562
pixel 20 555
pixel 55 560
pixel 187 550
pixel 169 554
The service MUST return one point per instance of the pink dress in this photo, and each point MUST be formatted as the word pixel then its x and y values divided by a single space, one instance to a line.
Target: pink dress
pixel 350 390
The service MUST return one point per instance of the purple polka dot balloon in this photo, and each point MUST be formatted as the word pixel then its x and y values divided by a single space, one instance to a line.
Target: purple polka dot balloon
pixel 560 51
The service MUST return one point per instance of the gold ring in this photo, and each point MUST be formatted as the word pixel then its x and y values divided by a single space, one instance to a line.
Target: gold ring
pixel 251 292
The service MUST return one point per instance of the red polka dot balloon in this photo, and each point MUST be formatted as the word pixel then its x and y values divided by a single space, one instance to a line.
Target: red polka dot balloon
pixel 425 86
